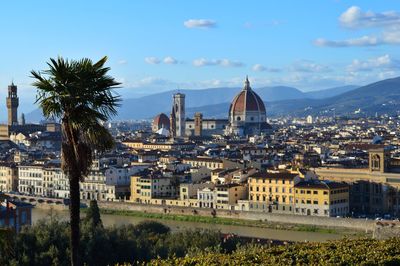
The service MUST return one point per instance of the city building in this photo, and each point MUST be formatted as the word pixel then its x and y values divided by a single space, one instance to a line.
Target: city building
pixel 373 189
pixel 15 214
pixel 228 195
pixel 8 177
pixel 272 192
pixel 152 185
pixel 321 198
pixel 31 179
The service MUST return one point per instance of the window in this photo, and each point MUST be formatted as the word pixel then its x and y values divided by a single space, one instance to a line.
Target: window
pixel 238 118
pixel 315 192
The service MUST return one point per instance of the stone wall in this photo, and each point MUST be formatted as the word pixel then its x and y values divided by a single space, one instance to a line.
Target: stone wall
pixel 349 223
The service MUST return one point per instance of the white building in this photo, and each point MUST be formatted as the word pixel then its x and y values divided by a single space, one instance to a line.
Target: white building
pixel 30 179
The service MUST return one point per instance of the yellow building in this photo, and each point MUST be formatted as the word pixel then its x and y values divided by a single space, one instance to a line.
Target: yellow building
pixel 321 198
pixel 375 189
pixel 272 192
pixel 152 186
pixel 8 177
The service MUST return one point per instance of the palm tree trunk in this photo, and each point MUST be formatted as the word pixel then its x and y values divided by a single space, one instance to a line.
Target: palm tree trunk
pixel 74 210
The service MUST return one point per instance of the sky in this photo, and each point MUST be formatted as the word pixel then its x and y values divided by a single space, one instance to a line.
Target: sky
pixel 162 45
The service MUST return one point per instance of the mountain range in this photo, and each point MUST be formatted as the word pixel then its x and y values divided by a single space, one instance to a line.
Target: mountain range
pixel 382 97
pixel 213 102
pixel 379 97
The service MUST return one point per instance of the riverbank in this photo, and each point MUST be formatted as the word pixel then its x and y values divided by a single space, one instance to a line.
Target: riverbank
pixel 237 222
pixel 254 232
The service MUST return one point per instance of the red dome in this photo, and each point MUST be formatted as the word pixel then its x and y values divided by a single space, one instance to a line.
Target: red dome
pixel 247 100
pixel 160 121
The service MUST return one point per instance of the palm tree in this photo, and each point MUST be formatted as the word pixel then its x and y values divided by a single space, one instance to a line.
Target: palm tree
pixel 80 95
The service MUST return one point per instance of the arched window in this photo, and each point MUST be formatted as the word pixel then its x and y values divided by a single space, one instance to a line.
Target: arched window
pixel 238 118
pixel 376 162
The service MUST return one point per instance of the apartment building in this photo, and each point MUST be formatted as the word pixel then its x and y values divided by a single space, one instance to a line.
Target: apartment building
pixel 8 177
pixel 31 179
pixel 272 192
pixel 321 198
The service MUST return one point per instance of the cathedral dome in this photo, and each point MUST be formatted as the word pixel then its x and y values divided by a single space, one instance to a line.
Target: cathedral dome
pixel 160 121
pixel 246 101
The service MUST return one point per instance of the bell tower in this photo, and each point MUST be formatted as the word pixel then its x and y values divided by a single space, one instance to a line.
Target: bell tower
pixel 12 105
pixel 178 119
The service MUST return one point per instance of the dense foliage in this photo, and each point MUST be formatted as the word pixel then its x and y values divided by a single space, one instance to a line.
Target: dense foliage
pixel 342 252
pixel 46 243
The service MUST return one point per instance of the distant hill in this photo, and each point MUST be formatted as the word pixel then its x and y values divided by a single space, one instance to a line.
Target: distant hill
pixel 321 94
pixel 212 102
pixel 381 97
pixel 378 97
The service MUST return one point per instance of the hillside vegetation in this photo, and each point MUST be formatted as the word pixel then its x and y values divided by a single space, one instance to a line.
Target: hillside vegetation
pixel 342 252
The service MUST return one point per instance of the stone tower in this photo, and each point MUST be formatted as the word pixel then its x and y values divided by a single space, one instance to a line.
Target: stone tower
pixel 178 115
pixel 12 105
pixel 198 124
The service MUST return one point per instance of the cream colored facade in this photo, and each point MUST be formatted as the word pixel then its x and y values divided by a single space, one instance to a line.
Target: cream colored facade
pixel 209 163
pixel 228 195
pixel 140 145
pixel 8 178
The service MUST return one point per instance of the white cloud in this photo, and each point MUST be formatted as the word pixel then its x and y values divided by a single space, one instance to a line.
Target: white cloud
pixel 230 63
pixel 381 62
pixel 261 68
pixel 391 36
pixel 170 60
pixel 362 41
pixel 308 66
pixel 152 60
pixel 354 17
pixel 200 23
pixel 122 62
pixel 216 62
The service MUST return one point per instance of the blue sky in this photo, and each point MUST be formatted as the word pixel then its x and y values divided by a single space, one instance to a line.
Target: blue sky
pixel 161 45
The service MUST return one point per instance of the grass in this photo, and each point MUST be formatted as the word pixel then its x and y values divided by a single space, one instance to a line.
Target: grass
pixel 231 221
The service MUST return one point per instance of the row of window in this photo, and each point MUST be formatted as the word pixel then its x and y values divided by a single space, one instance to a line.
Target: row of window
pixel 271 189
pixel 264 180
pixel 309 192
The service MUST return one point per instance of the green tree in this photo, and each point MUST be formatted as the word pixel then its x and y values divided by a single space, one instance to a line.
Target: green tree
pixel 93 214
pixel 79 94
